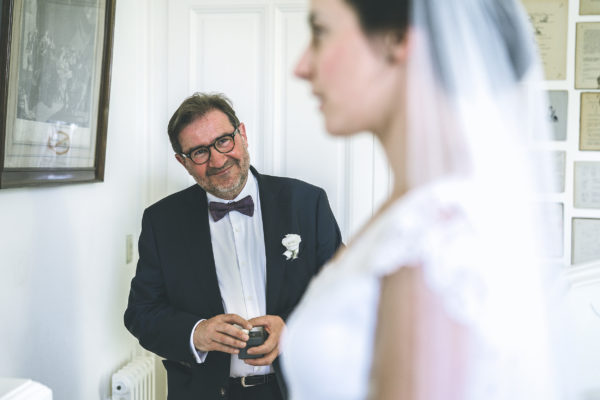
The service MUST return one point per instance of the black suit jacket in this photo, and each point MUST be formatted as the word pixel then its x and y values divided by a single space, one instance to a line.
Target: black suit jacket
pixel 176 282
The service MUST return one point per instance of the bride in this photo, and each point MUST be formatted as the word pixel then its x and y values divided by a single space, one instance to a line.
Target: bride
pixel 441 295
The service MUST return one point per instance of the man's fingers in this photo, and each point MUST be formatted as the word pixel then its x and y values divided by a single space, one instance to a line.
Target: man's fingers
pixel 268 346
pixel 225 330
pixel 228 341
pixel 225 349
pixel 233 331
pixel 259 321
pixel 267 359
pixel 236 319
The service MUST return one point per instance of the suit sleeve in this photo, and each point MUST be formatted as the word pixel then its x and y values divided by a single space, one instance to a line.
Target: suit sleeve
pixel 159 327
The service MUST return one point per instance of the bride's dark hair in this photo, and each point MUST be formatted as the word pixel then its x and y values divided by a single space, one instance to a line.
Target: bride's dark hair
pixel 384 16
pixel 377 16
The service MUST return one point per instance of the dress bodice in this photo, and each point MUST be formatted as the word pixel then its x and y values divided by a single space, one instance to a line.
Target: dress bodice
pixel 329 340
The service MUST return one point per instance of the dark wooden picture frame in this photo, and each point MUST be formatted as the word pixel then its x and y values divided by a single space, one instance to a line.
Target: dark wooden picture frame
pixel 55 62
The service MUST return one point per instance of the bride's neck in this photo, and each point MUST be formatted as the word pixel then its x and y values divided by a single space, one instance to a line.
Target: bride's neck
pixel 393 141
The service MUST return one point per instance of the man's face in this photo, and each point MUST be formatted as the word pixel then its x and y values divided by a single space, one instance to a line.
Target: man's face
pixel 224 175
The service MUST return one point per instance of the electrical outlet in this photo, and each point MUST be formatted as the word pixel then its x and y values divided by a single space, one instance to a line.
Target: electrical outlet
pixel 128 249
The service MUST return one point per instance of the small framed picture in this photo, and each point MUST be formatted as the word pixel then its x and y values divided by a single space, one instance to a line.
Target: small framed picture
pixel 589 7
pixel 585 240
pixel 557 113
pixel 587 184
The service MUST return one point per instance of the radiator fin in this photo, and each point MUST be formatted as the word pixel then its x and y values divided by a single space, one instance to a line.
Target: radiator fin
pixel 135 381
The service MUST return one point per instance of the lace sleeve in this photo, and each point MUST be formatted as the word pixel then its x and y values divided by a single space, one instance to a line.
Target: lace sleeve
pixel 438 237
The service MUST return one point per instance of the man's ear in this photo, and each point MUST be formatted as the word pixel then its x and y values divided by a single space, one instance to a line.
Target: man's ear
pixel 181 160
pixel 242 129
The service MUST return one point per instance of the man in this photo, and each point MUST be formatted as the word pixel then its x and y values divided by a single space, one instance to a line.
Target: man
pixel 214 263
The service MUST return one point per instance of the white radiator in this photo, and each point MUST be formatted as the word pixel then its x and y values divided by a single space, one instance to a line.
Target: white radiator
pixel 135 381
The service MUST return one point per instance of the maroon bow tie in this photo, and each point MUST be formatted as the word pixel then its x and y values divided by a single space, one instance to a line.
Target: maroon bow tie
pixel 219 210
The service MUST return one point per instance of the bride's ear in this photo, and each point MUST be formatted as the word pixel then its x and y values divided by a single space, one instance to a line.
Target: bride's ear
pixel 398 45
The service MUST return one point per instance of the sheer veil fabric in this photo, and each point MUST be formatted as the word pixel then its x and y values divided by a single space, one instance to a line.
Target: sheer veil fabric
pixel 475 109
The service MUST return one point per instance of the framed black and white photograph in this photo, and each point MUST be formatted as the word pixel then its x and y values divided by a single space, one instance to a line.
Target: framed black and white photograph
pixel 54 93
pixel 557 113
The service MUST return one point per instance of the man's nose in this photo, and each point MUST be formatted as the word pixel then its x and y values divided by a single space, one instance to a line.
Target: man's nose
pixel 217 159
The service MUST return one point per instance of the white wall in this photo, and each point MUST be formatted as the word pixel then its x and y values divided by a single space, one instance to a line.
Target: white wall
pixel 583 305
pixel 63 277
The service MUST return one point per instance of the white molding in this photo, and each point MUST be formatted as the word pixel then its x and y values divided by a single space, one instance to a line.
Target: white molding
pixel 582 274
pixel 158 114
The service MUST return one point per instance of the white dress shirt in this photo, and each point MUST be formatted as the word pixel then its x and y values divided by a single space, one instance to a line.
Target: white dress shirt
pixel 239 249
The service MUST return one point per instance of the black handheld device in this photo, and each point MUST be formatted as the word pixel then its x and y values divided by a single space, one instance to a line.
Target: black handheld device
pixel 258 335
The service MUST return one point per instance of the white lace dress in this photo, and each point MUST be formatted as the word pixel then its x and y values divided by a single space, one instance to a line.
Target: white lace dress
pixel 328 344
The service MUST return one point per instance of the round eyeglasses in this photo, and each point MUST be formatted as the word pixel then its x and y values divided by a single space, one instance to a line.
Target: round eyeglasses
pixel 223 144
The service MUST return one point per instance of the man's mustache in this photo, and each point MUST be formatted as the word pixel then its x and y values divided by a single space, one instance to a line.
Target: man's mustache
pixel 213 171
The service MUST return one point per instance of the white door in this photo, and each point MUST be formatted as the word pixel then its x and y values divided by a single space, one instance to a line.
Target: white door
pixel 247 50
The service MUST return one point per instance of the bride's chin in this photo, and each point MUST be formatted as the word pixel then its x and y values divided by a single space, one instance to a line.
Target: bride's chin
pixel 340 130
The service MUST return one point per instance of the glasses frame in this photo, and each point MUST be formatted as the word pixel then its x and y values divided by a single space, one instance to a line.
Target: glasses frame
pixel 213 145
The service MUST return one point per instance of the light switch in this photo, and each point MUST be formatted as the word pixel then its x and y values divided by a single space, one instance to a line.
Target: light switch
pixel 128 248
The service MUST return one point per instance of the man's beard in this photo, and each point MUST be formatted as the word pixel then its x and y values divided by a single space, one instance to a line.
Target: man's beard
pixel 229 191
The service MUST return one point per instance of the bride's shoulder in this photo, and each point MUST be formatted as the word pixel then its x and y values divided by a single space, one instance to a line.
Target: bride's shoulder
pixel 439 202
pixel 430 218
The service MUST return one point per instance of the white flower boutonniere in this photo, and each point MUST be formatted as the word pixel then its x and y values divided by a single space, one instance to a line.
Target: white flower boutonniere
pixel 291 241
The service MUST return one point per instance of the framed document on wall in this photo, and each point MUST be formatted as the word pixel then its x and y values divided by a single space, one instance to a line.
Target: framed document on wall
pixel 549 20
pixel 589 125
pixel 558 164
pixel 589 7
pixel 587 184
pixel 553 213
pixel 54 92
pixel 585 244
pixel 587 56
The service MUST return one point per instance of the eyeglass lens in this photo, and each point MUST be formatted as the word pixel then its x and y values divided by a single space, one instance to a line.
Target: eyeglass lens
pixel 223 144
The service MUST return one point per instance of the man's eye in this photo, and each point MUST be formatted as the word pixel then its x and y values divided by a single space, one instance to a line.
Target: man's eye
pixel 223 141
pixel 199 152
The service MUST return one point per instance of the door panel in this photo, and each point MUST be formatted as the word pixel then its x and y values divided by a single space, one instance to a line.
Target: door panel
pixel 247 50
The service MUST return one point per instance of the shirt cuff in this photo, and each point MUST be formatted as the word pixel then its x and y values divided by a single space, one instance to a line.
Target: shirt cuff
pixel 200 356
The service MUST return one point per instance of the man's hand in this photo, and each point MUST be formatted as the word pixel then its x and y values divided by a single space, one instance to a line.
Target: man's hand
pixel 219 334
pixel 274 325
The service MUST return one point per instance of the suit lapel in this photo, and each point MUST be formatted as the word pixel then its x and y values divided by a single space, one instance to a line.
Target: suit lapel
pixel 199 247
pixel 275 269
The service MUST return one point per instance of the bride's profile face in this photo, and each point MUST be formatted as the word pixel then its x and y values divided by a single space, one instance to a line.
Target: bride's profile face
pixel 349 74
